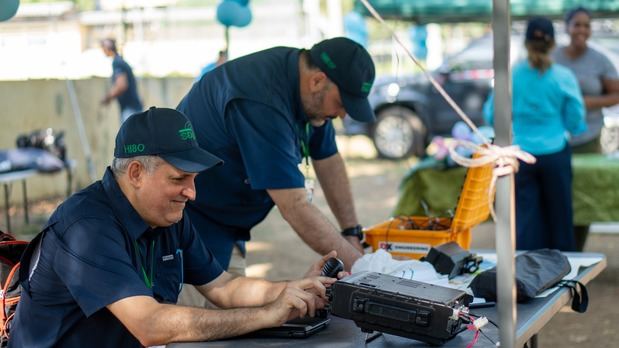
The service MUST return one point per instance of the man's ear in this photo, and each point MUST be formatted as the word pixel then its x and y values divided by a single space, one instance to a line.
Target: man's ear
pixel 135 173
pixel 317 81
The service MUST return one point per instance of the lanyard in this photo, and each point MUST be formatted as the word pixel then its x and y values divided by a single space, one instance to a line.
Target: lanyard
pixel 305 148
pixel 149 281
pixel 309 182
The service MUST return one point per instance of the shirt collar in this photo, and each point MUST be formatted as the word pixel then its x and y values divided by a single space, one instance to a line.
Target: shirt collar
pixel 122 208
pixel 295 87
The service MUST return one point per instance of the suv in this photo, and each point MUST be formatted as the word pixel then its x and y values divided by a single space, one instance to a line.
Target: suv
pixel 410 111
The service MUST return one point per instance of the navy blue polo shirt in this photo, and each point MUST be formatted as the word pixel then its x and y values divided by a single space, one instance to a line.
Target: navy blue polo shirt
pixel 129 98
pixel 97 250
pixel 248 112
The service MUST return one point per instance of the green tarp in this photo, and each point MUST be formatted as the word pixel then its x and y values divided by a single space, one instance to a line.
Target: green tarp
pixel 595 189
pixel 440 11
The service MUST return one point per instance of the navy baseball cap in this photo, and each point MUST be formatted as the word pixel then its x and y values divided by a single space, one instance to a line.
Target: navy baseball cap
pixel 351 68
pixel 540 29
pixel 166 133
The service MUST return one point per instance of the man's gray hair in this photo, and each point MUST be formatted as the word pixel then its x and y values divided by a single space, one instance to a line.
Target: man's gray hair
pixel 150 163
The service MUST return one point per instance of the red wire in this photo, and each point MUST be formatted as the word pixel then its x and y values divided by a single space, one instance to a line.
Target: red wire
pixel 475 338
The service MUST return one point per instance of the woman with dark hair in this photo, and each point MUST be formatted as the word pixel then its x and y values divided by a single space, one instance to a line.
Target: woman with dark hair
pixel 596 76
pixel 599 83
pixel 547 104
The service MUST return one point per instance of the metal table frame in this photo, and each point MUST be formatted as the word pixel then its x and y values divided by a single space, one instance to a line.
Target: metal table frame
pixel 8 178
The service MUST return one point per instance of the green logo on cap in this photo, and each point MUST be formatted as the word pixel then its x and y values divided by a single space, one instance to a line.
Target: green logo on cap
pixel 134 148
pixel 366 86
pixel 187 132
pixel 327 60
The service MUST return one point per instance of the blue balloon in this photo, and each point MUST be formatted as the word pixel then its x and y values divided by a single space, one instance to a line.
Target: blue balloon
pixel 354 22
pixel 231 13
pixel 8 8
pixel 355 28
pixel 418 36
pixel 243 17
pixel 461 131
pixel 358 38
pixel 227 12
pixel 240 2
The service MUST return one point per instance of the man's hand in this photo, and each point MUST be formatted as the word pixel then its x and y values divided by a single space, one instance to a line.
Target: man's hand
pixel 106 100
pixel 298 299
pixel 316 269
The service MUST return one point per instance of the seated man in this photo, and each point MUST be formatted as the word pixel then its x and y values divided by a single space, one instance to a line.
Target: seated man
pixel 108 267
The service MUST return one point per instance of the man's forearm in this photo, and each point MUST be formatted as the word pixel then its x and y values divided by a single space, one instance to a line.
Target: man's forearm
pixel 598 102
pixel 246 292
pixel 334 181
pixel 119 87
pixel 153 323
pixel 182 324
pixel 317 232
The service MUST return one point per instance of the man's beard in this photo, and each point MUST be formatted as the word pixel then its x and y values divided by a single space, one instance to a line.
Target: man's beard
pixel 313 107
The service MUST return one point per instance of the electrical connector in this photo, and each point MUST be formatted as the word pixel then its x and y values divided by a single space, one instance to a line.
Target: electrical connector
pixel 455 314
pixel 480 322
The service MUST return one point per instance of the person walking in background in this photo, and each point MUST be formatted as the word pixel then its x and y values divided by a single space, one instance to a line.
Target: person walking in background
pixel 599 83
pixel 222 57
pixel 547 103
pixel 124 87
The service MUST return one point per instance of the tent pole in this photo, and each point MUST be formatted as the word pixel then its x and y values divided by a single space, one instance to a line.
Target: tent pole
pixel 81 131
pixel 505 224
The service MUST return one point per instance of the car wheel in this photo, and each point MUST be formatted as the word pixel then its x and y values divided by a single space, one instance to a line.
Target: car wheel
pixel 398 133
pixel 609 139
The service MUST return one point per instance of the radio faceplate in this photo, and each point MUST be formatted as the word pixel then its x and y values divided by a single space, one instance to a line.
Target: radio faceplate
pixel 402 307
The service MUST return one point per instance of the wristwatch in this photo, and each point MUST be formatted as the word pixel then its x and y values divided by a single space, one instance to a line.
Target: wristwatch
pixel 356 231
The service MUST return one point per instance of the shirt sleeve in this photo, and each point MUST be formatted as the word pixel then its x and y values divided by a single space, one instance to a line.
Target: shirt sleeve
pixel 199 264
pixel 609 71
pixel 268 143
pixel 573 111
pixel 118 68
pixel 95 266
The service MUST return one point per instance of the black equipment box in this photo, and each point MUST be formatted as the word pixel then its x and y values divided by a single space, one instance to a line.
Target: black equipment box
pixel 398 306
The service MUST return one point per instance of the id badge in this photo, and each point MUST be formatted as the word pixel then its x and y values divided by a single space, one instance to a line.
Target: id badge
pixel 309 189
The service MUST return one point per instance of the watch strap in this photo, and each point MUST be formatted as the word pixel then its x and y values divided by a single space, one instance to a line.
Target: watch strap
pixel 355 231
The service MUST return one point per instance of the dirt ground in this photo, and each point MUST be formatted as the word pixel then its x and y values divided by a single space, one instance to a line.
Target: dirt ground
pixel 277 253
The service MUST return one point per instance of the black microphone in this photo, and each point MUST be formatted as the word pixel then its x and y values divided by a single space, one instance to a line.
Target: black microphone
pixel 332 267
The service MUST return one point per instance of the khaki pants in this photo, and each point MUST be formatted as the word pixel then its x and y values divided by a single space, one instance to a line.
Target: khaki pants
pixel 190 296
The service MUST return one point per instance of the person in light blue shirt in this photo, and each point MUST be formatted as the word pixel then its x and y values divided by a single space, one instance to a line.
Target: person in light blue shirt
pixel 547 105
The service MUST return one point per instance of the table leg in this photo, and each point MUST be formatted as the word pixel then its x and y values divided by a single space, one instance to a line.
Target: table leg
pixel 6 207
pixel 25 197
